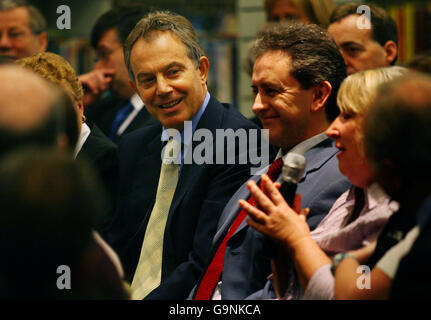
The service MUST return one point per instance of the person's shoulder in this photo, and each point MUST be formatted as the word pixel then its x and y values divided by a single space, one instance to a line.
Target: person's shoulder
pixel 141 135
pixel 99 137
pixel 234 119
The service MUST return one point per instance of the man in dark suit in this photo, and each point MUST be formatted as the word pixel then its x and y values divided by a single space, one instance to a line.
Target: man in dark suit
pixel 109 100
pixel 296 75
pixel 169 70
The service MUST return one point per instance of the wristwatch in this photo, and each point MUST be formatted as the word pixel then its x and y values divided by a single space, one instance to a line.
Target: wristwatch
pixel 338 258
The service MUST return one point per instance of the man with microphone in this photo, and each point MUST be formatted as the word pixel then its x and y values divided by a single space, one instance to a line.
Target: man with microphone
pixel 296 75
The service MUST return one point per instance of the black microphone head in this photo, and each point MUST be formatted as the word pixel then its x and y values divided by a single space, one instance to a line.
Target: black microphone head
pixel 293 167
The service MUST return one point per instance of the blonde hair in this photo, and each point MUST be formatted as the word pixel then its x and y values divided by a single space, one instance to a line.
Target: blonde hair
pixel 55 69
pixel 359 90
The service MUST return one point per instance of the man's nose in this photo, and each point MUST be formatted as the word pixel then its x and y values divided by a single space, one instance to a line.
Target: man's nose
pixel 5 41
pixel 259 105
pixel 163 86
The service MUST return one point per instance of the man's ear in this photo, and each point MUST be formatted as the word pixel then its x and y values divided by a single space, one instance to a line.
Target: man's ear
pixel 391 51
pixel 204 66
pixel 42 39
pixel 322 91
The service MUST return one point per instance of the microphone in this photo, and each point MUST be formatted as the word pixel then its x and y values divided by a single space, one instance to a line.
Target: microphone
pixel 293 169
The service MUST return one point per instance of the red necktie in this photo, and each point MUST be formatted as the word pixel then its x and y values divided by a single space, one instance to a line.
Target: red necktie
pixel 212 275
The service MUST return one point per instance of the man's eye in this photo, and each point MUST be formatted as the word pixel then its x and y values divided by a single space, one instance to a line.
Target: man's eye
pixel 352 51
pixel 271 91
pixel 16 34
pixel 173 72
pixel 146 82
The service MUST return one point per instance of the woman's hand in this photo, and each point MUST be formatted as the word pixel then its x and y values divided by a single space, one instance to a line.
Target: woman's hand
pixel 273 216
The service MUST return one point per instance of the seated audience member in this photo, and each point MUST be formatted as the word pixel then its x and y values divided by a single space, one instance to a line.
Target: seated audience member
pixel 402 105
pixel 49 204
pixel 168 212
pixel 33 111
pixel 307 11
pixel 368 47
pixel 92 143
pixel 297 72
pixel 354 220
pixel 22 30
pixel 421 63
pixel 109 100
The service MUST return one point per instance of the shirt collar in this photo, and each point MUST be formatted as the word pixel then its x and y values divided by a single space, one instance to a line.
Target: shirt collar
pixel 136 102
pixel 186 140
pixel 83 135
pixel 374 195
pixel 304 146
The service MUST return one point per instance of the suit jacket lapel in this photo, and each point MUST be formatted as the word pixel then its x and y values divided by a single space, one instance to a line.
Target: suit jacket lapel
pixel 211 120
pixel 317 156
pixel 151 159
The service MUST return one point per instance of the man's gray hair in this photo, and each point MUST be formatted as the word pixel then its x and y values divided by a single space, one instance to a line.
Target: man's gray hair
pixel 37 21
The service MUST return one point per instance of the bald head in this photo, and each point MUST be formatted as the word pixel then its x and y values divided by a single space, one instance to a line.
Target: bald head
pixel 25 98
pixel 32 110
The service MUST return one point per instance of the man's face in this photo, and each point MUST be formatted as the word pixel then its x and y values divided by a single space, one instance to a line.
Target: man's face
pixel 17 40
pixel 110 55
pixel 172 87
pixel 287 10
pixel 357 46
pixel 279 101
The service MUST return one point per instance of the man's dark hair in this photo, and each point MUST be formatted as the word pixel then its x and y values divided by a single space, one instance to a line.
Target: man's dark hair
pixel 60 120
pixel 315 56
pixel 123 19
pixel 383 26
